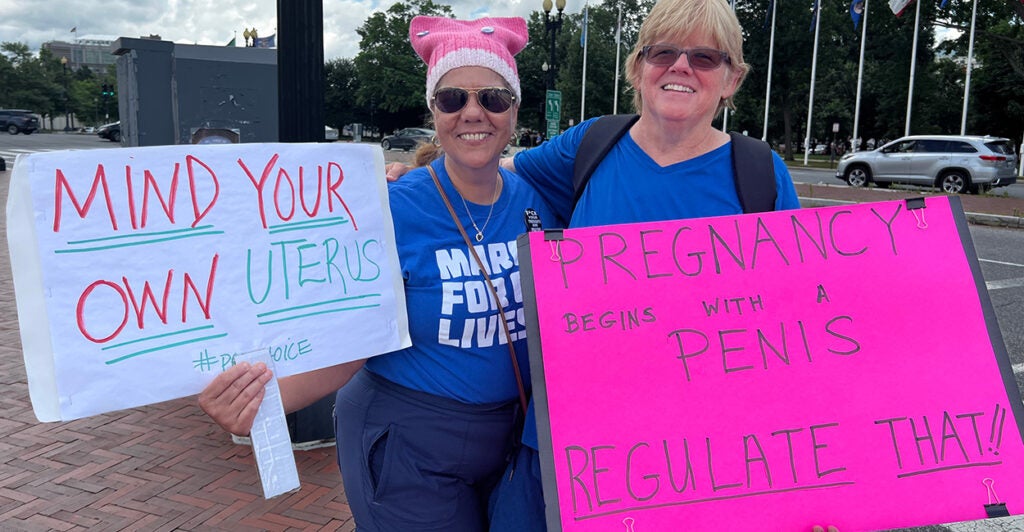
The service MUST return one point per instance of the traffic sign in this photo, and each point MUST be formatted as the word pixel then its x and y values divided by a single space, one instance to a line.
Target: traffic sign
pixel 553 106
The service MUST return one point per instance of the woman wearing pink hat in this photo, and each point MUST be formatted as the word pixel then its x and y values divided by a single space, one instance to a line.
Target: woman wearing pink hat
pixel 423 433
pixel 670 164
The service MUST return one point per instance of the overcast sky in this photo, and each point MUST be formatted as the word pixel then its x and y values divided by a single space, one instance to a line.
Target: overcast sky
pixel 212 22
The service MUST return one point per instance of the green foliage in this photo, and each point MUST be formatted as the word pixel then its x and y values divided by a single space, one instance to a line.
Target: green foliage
pixel 391 76
pixel 43 85
pixel 938 77
pixel 383 85
pixel 600 94
pixel 341 83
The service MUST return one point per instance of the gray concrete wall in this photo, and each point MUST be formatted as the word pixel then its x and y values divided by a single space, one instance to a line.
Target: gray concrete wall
pixel 166 91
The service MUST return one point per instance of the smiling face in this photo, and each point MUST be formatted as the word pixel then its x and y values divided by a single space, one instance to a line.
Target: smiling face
pixel 688 24
pixel 473 137
pixel 679 92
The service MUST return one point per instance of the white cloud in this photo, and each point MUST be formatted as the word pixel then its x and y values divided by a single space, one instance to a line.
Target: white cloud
pixel 206 22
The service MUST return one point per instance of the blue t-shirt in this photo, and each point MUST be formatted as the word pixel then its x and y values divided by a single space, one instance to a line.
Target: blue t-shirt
pixel 458 345
pixel 628 186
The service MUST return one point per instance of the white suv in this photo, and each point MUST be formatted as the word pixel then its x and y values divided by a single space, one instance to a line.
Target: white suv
pixel 953 163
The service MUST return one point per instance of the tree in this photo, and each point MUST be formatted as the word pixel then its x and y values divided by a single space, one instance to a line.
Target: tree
pixel 885 82
pixel 34 84
pixel 569 57
pixel 340 89
pixel 996 102
pixel 390 73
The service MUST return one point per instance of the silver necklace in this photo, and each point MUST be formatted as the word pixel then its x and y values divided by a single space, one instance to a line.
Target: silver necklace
pixel 480 230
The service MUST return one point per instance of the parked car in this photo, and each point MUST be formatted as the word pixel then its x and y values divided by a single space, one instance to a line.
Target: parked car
pixel 111 132
pixel 407 139
pixel 330 133
pixel 953 163
pixel 16 121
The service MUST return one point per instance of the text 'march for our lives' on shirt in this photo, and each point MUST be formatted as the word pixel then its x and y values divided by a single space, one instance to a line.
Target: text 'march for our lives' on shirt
pixel 733 371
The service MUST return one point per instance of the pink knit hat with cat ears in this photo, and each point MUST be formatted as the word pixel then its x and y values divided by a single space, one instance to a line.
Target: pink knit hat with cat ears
pixel 445 44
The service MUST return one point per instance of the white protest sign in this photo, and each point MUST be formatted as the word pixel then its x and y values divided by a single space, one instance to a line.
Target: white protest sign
pixel 139 272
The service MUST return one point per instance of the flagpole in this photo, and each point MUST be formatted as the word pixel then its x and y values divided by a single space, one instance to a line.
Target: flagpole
pixel 618 46
pixel 970 64
pixel 725 112
pixel 583 91
pixel 771 59
pixel 860 75
pixel 814 72
pixel 913 65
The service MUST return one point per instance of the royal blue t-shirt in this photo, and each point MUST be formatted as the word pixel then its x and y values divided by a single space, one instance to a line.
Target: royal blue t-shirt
pixel 628 186
pixel 459 350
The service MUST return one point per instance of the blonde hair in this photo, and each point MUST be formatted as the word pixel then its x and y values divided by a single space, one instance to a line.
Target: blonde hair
pixel 676 20
pixel 426 153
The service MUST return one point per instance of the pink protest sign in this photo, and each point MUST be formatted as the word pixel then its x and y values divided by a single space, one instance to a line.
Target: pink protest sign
pixel 837 365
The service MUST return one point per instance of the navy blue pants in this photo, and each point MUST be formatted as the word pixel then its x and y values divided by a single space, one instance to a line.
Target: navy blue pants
pixel 412 461
pixel 517 502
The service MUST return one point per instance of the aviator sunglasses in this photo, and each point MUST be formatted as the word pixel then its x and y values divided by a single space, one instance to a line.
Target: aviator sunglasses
pixel 492 99
pixel 699 58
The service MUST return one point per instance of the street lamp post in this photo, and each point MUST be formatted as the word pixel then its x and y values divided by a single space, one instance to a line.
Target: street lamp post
pixel 64 68
pixel 551 26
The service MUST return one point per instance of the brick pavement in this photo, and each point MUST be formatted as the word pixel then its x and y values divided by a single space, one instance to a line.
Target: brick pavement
pixel 167 467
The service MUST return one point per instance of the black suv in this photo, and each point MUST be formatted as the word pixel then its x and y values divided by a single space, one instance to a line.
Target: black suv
pixel 16 121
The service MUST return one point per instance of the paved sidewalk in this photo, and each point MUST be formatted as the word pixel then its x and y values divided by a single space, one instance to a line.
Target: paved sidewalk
pixel 167 467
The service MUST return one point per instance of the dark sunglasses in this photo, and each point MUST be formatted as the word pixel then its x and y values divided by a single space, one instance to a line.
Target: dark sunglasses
pixel 492 99
pixel 699 58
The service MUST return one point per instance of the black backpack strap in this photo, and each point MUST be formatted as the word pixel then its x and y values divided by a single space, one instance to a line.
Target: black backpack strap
pixel 753 169
pixel 596 142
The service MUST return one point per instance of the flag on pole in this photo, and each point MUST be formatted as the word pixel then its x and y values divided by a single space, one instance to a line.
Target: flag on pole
pixel 897 6
pixel 231 42
pixel 856 10
pixel 583 34
pixel 814 14
pixel 263 42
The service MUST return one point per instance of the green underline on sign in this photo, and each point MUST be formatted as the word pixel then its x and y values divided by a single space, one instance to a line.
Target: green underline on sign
pixel 138 235
pixel 329 311
pixel 308 224
pixel 138 243
pixel 154 337
pixel 311 305
pixel 161 348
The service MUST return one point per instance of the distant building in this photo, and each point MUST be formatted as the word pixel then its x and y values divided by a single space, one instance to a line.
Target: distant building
pixel 93 51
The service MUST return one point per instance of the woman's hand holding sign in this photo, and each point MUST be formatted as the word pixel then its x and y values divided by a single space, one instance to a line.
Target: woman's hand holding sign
pixel 233 397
